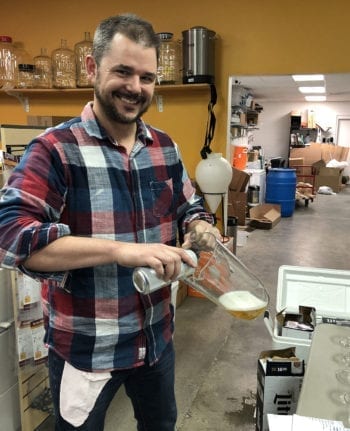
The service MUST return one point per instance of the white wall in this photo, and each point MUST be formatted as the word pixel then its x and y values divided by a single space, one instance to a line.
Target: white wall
pixel 274 123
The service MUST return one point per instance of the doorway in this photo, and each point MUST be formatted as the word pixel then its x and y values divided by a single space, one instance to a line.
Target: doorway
pixel 343 137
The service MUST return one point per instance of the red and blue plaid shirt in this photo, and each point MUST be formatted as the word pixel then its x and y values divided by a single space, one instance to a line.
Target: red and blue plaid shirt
pixel 73 180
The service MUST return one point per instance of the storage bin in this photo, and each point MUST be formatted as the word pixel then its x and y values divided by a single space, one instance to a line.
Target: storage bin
pixel 327 290
pixel 280 189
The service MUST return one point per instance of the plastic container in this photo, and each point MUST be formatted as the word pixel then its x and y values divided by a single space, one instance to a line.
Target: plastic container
pixel 169 60
pixel 240 156
pixel 63 67
pixel 81 50
pixel 43 70
pixel 7 62
pixel 280 189
pixel 213 176
pixel 311 287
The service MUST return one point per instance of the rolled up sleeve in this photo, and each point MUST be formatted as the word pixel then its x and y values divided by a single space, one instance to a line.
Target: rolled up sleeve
pixel 30 208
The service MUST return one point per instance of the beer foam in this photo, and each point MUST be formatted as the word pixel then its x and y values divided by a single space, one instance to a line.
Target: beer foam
pixel 241 300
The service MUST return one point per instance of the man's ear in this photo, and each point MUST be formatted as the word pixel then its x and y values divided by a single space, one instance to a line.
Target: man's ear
pixel 91 68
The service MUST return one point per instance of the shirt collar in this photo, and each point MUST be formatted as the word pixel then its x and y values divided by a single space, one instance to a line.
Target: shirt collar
pixel 93 127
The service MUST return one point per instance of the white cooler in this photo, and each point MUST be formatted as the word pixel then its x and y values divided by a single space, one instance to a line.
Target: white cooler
pixel 327 290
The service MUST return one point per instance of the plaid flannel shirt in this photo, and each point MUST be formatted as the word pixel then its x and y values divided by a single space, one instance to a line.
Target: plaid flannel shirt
pixel 74 180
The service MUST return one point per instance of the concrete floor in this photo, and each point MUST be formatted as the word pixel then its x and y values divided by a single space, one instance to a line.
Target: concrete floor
pixel 216 355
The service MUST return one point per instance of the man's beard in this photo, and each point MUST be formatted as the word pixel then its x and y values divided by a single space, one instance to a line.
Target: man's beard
pixel 112 112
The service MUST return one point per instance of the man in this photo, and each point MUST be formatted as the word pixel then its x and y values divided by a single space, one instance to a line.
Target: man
pixel 90 200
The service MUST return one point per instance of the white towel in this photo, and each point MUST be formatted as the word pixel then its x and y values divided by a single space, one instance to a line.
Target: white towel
pixel 79 392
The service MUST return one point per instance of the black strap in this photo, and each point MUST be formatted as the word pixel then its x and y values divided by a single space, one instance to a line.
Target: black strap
pixel 211 122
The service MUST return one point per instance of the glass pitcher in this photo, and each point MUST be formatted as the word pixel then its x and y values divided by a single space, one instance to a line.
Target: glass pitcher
pixel 221 277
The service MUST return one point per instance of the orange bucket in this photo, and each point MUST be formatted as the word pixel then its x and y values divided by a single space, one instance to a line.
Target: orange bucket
pixel 240 157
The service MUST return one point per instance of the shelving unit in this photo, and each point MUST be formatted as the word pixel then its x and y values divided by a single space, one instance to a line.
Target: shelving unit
pixel 24 375
pixel 305 134
pixel 242 117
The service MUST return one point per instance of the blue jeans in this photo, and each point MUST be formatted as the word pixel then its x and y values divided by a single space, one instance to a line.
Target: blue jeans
pixel 150 388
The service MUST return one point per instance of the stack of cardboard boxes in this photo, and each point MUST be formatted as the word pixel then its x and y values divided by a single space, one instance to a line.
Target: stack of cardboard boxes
pixel 318 155
pixel 263 216
pixel 237 196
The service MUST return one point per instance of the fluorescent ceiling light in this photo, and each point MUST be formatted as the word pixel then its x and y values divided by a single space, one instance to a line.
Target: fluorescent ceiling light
pixel 315 98
pixel 308 77
pixel 306 90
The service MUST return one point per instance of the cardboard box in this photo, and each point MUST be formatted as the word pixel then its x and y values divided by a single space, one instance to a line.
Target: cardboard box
pixel 240 180
pixel 239 118
pixel 297 325
pixel 318 165
pixel 279 380
pixel 265 216
pixel 253 156
pixel 331 151
pixel 298 164
pixel 237 206
pixel 311 153
pixel 296 161
pixel 252 118
pixel 45 120
pixel 331 177
pixel 316 151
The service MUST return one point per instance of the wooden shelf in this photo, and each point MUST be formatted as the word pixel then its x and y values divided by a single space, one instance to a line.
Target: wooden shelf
pixel 182 87
pixel 24 94
pixel 45 91
pixel 88 90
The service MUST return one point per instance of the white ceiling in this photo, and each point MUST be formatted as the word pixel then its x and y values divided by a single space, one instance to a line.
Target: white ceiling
pixel 282 88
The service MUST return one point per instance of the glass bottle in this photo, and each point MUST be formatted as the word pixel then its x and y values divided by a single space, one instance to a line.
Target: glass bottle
pixel 7 62
pixel 63 67
pixel 24 67
pixel 43 70
pixel 82 49
pixel 25 77
pixel 168 68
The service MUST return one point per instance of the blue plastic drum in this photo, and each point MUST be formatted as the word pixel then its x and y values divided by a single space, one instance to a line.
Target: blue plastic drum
pixel 280 189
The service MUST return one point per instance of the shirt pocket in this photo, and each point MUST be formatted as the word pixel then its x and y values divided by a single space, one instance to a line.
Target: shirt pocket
pixel 163 197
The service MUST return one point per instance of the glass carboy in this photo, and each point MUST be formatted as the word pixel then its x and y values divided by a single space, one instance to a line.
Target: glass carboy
pixel 82 49
pixel 63 67
pixel 43 70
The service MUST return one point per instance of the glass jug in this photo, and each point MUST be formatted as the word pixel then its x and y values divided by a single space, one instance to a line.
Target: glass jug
pixel 221 277
pixel 81 50
pixel 63 67
pixel 169 58
pixel 43 70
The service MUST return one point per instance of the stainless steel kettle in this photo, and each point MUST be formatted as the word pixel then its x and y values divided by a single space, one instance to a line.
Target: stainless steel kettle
pixel 198 52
